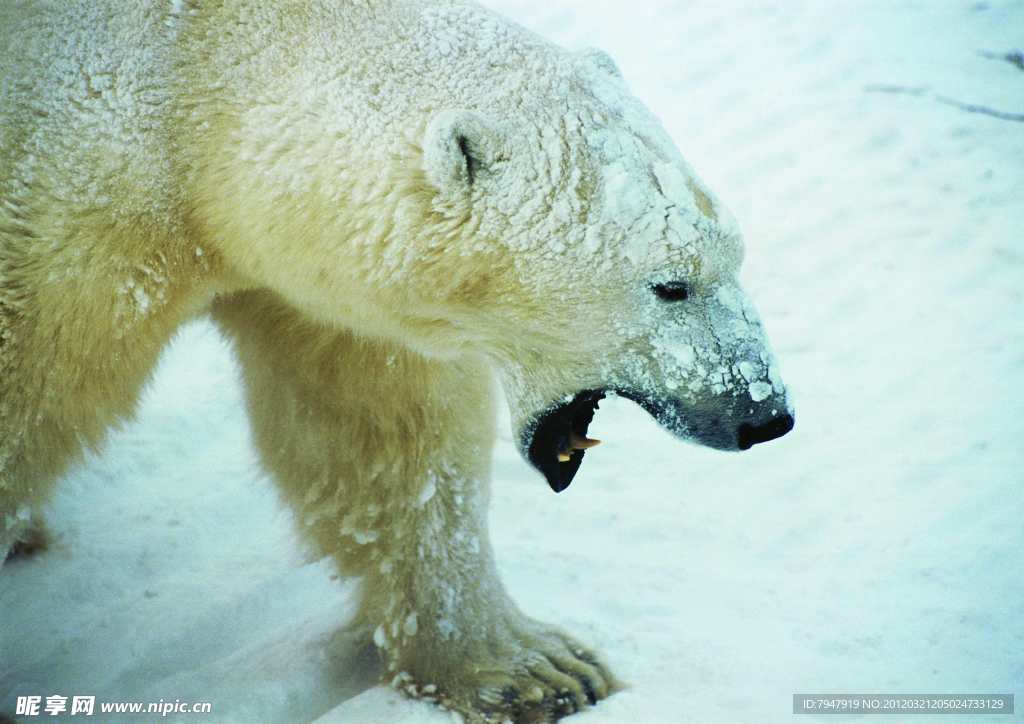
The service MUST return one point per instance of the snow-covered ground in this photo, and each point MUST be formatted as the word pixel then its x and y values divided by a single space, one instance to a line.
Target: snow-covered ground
pixel 877 548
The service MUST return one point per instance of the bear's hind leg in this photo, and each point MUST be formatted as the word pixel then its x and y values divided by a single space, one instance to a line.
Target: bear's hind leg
pixel 25 541
pixel 385 458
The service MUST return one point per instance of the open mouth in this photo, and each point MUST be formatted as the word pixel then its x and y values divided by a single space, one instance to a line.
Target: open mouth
pixel 558 442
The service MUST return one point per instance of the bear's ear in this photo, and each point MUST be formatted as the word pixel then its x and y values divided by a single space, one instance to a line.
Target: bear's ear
pixel 602 60
pixel 457 147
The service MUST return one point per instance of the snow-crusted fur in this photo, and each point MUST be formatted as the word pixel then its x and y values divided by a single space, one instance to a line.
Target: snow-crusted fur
pixel 384 203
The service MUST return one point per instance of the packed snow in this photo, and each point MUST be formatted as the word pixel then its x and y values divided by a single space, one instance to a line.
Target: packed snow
pixel 877 548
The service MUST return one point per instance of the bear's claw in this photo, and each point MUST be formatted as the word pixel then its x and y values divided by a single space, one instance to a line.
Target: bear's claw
pixel 542 677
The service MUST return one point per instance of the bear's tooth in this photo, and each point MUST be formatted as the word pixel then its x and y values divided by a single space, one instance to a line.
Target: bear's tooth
pixel 582 443
pixel 564 457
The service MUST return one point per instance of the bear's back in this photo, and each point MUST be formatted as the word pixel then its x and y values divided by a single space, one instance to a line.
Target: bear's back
pixel 84 97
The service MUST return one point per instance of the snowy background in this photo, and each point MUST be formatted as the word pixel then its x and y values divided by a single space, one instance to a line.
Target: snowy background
pixel 877 548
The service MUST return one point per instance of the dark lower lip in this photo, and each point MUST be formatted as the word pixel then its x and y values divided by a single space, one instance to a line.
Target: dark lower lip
pixel 678 418
pixel 543 440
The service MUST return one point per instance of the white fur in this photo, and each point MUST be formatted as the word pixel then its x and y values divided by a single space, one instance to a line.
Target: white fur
pixel 302 169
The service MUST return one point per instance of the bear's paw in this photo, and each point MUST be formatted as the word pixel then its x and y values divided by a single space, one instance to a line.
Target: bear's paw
pixel 525 672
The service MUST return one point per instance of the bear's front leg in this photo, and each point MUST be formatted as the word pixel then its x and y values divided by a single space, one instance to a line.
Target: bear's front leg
pixel 447 628
pixel 385 457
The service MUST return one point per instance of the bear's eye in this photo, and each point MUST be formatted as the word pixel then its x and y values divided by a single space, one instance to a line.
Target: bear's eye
pixel 671 291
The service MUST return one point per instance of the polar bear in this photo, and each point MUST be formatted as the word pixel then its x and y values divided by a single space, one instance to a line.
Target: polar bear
pixel 390 206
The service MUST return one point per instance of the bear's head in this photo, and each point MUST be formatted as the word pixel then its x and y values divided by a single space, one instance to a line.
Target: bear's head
pixel 514 202
pixel 604 267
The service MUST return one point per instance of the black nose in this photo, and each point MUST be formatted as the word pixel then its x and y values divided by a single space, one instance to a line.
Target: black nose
pixel 748 435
